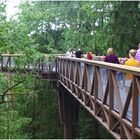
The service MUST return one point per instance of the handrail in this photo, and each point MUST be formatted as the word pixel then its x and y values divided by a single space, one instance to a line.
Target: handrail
pixel 113 100
pixel 21 54
pixel 12 55
pixel 119 67
pixel 11 62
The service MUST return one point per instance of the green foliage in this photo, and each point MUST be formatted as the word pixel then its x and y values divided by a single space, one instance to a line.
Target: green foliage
pixel 54 27
pixel 45 116
pixel 11 123
pixel 93 26
pixel 89 128
pixel 12 119
pixel 51 27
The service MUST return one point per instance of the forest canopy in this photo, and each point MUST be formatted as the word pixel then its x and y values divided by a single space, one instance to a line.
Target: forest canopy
pixel 55 26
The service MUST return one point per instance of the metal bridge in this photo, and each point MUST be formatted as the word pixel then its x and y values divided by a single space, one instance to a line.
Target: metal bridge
pixel 109 92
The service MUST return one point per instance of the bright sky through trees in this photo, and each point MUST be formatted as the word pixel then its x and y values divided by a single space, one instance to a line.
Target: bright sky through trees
pixel 11 7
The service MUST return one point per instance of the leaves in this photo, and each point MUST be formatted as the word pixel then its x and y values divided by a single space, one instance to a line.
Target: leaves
pixel 54 27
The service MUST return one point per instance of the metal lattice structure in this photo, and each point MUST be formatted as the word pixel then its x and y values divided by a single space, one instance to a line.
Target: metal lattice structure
pixel 118 113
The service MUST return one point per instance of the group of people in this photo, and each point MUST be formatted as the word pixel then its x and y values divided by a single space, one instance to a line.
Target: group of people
pixel 133 60
pixel 77 54
pixel 124 79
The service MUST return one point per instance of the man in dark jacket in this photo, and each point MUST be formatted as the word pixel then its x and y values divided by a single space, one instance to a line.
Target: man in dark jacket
pixel 79 53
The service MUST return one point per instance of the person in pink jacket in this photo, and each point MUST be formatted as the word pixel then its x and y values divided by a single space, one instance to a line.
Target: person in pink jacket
pixel 137 56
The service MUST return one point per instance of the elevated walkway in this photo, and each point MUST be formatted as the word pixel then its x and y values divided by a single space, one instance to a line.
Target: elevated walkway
pixel 103 89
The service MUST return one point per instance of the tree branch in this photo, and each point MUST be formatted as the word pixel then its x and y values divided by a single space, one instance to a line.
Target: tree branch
pixel 4 93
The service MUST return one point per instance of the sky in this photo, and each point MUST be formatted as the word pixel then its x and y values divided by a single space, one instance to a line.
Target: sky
pixel 11 7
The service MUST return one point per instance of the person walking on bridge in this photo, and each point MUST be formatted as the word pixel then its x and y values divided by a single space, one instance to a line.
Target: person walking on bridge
pixel 128 77
pixel 110 57
pixel 69 53
pixel 79 53
pixel 132 61
pixel 137 56
pixel 89 55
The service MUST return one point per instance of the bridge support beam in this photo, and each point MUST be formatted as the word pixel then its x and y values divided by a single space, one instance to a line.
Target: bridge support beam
pixel 69 131
pixel 69 110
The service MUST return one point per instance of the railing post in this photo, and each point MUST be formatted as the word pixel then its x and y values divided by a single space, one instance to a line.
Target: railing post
pixel 69 110
pixel 56 60
pixel 134 107
pixel 42 65
pixel 10 61
pixel 39 66
pixel 111 99
pixel 28 65
pixel 2 63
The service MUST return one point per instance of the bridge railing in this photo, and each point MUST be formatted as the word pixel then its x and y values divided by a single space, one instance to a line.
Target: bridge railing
pixel 9 62
pixel 110 92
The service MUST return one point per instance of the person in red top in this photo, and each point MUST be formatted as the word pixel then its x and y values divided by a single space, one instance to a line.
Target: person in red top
pixel 89 56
